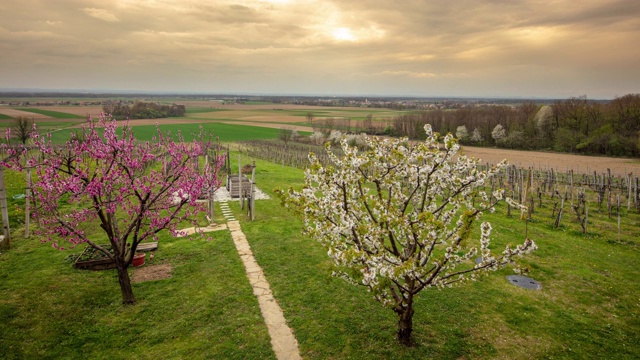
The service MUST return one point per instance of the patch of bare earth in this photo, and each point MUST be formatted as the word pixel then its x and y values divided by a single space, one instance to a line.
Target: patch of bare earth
pixel 15 113
pixel 151 273
pixel 94 111
pixel 558 162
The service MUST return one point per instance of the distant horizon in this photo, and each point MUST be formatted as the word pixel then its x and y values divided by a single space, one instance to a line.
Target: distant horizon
pixel 37 91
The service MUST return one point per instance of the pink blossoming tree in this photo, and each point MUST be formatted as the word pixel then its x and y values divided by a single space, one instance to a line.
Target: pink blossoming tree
pixel 131 189
pixel 398 219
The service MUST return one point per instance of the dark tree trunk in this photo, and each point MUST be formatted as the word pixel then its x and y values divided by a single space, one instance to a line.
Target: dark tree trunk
pixel 405 325
pixel 125 284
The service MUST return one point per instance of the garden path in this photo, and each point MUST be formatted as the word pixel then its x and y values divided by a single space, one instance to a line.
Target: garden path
pixel 283 341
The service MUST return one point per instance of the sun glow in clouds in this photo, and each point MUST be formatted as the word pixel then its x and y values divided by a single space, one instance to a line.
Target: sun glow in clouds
pixel 343 34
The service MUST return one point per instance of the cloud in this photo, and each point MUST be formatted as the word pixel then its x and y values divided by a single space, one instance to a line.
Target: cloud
pixel 101 14
pixel 410 74
pixel 462 47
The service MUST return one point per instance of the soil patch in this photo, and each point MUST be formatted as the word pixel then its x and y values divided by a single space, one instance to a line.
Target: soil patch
pixel 559 162
pixel 94 111
pixel 151 273
pixel 15 113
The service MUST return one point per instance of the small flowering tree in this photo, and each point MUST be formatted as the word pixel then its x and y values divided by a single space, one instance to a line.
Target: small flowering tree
pixel 399 219
pixel 476 136
pixel 462 133
pixel 499 134
pixel 132 190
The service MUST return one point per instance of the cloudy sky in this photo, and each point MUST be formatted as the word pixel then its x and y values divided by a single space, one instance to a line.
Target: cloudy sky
pixel 502 48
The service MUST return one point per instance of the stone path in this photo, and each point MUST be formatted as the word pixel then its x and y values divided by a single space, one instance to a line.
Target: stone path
pixel 283 341
pixel 226 211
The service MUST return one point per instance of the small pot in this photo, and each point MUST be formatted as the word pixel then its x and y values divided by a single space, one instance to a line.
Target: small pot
pixel 138 259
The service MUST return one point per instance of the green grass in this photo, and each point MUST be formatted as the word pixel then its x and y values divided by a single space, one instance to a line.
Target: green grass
pixel 225 132
pixel 589 306
pixel 53 114
pixel 206 310
pixel 5 117
pixel 200 110
pixel 258 103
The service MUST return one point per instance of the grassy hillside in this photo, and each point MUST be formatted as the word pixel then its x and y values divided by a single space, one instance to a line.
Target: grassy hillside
pixel 588 306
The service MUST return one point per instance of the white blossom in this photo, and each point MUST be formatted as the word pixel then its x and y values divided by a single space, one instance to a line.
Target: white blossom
pixel 398 219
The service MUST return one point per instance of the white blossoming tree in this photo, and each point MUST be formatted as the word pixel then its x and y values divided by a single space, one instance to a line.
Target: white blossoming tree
pixel 476 136
pixel 462 133
pixel 399 219
pixel 499 134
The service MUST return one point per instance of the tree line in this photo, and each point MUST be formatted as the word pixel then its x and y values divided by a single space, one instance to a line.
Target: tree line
pixel 575 125
pixel 142 110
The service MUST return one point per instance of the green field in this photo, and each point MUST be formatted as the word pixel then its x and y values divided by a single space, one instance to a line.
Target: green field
pixel 53 114
pixel 258 102
pixel 200 110
pixel 5 117
pixel 225 132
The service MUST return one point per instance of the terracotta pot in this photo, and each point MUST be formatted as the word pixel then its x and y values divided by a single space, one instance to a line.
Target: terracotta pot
pixel 138 259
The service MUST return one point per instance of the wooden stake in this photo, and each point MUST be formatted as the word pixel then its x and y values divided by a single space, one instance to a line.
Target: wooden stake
pixel 619 232
pixel 240 195
pixel 6 230
pixel 27 206
pixel 630 178
pixel 586 217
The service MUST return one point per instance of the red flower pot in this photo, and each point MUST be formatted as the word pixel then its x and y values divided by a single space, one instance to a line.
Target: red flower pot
pixel 138 259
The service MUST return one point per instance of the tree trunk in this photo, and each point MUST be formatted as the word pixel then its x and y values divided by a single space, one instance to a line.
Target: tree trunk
pixel 405 325
pixel 125 284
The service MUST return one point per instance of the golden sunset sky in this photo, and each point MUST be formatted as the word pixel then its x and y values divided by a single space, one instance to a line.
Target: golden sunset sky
pixel 496 48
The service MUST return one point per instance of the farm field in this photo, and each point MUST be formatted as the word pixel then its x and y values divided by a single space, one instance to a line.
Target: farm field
pixel 561 162
pixel 52 113
pixel 278 116
pixel 222 131
pixel 587 308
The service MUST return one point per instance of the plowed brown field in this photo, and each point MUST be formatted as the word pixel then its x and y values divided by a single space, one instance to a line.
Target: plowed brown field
pixel 559 162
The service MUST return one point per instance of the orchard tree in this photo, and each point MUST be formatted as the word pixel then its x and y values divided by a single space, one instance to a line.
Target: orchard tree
pixel 400 219
pixel 285 135
pixel 22 128
pixel 131 189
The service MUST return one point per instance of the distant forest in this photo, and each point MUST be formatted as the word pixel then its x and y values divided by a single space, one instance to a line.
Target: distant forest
pixel 142 110
pixel 576 125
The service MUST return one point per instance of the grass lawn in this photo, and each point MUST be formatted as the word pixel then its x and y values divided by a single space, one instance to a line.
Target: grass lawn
pixel 5 117
pixel 206 310
pixel 589 305
pixel 53 114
